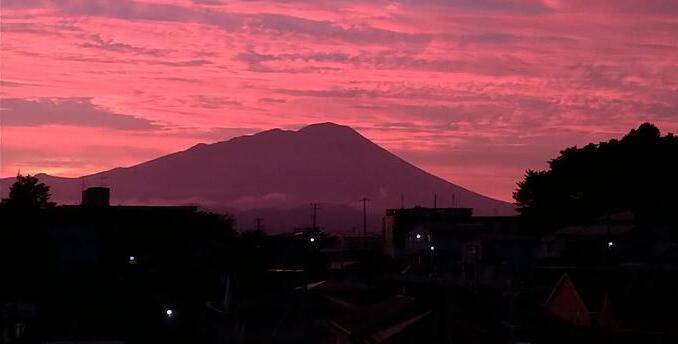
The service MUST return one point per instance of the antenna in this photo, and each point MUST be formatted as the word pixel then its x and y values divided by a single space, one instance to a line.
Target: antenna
pixel 315 207
pixel 435 200
pixel 364 200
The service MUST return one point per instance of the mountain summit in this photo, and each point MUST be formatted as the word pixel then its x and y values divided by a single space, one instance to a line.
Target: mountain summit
pixel 326 163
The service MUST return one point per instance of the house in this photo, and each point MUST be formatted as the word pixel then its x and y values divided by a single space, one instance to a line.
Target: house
pixel 603 240
pixel 565 303
pixel 617 304
pixel 497 260
pixel 397 319
pixel 363 313
pixel 412 231
pixel 97 271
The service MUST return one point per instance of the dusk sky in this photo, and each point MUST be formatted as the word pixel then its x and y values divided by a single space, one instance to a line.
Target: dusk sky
pixel 475 91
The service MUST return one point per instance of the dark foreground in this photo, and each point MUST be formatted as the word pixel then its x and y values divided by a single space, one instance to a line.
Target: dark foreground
pixel 121 274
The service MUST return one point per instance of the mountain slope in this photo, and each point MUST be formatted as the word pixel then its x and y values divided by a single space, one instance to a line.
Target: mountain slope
pixel 279 169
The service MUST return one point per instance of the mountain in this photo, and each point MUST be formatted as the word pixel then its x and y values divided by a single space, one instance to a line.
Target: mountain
pixel 277 169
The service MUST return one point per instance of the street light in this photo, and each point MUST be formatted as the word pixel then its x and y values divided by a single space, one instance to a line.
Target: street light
pixel 610 244
pixel 169 313
pixel 418 236
pixel 432 248
pixel 311 239
pixel 132 260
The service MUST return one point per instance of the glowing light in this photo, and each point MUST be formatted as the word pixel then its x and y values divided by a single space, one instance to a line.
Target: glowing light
pixel 169 313
pixel 418 236
pixel 610 244
pixel 433 248
pixel 311 240
pixel 132 258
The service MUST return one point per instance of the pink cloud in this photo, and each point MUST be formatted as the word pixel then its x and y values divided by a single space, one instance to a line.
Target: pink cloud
pixel 476 91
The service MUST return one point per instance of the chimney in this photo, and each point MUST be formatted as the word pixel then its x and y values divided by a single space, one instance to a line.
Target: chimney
pixel 96 197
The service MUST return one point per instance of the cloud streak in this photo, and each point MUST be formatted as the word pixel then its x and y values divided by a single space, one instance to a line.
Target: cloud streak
pixel 69 111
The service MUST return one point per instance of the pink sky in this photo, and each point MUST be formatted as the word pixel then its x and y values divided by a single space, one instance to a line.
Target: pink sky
pixel 473 91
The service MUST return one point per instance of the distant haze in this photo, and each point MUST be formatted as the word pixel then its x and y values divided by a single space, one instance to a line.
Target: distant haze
pixel 278 169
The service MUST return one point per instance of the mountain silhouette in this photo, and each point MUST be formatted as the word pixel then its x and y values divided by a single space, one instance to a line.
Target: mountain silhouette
pixel 277 169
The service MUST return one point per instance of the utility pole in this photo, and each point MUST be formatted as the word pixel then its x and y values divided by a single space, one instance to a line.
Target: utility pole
pixel 435 200
pixel 364 200
pixel 314 208
pixel 259 220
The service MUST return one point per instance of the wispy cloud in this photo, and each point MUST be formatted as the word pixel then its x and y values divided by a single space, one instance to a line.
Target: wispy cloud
pixel 68 111
pixel 97 42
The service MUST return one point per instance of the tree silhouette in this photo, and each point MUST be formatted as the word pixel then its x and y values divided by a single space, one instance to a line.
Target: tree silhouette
pixel 636 173
pixel 29 193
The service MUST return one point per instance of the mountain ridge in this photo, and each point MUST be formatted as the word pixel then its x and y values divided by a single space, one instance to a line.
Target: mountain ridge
pixel 323 162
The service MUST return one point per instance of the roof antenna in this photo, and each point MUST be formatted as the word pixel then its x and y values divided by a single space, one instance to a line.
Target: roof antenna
pixel 364 200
